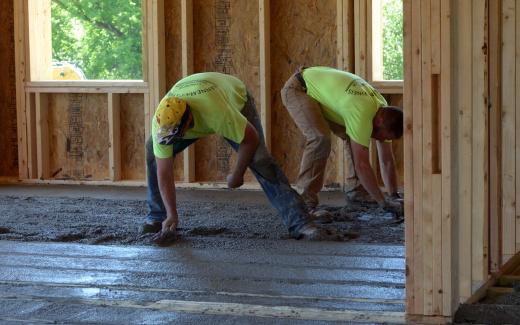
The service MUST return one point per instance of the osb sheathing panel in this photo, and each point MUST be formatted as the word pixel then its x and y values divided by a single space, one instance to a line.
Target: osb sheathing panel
pixel 78 129
pixel 132 137
pixel 173 49
pixel 303 32
pixel 226 39
pixel 8 131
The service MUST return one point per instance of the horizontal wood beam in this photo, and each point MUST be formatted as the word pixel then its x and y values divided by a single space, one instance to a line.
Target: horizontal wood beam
pixel 101 87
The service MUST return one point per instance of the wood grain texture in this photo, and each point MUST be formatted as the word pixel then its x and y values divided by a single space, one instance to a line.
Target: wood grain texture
pixel 427 168
pixel 314 46
pixel 463 100
pixel 408 158
pixel 448 233
pixel 78 129
pixel 480 136
pixel 417 158
pixel 226 39
pixel 8 127
pixel 173 59
pixel 132 137
pixel 508 129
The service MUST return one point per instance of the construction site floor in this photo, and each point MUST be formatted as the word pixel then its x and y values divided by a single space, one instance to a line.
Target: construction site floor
pixel 208 277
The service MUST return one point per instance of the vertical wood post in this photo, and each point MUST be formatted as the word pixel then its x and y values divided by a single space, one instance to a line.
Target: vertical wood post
pixel 114 132
pixel 265 68
pixel 42 135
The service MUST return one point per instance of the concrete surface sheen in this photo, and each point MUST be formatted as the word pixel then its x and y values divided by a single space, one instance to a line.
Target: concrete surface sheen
pixel 46 282
pixel 108 216
pixel 74 255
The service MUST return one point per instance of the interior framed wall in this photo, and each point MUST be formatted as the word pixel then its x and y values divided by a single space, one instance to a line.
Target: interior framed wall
pixel 180 37
pixel 82 131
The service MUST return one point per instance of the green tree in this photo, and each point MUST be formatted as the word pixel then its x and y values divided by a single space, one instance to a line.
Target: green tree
pixel 393 40
pixel 103 37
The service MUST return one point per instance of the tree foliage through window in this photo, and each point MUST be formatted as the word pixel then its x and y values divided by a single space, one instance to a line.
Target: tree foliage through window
pixel 393 40
pixel 103 38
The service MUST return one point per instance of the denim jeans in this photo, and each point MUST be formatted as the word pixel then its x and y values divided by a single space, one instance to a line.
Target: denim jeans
pixel 273 181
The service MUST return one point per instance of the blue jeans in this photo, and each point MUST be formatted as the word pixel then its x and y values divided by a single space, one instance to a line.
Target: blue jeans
pixel 273 181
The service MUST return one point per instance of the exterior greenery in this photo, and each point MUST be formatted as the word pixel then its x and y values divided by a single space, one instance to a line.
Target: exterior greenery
pixel 393 40
pixel 103 38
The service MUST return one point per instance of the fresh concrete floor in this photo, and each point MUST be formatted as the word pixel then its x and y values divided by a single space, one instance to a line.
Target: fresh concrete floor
pixel 205 280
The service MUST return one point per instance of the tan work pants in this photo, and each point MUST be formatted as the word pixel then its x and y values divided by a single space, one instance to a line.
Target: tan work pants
pixel 306 113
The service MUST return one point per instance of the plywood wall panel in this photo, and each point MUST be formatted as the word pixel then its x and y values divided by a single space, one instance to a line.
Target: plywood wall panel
pixel 173 49
pixel 307 37
pixel 78 131
pixel 226 39
pixel 8 128
pixel 132 137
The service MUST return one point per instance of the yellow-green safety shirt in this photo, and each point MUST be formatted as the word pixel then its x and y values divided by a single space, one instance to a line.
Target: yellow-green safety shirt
pixel 345 99
pixel 215 100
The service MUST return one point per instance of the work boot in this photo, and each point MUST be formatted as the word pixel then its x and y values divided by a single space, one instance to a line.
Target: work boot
pixel 321 215
pixel 151 227
pixel 311 232
pixel 358 195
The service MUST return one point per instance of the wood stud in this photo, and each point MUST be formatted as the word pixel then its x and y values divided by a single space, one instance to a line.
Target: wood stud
pixel 42 135
pixel 114 135
pixel 264 12
pixel 508 129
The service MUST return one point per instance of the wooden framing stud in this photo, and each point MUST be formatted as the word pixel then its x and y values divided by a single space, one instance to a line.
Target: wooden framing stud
pixel 42 135
pixel 114 134
pixel 32 159
pixel 265 66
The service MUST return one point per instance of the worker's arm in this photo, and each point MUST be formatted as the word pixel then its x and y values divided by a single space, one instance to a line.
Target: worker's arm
pixel 167 189
pixel 387 166
pixel 365 172
pixel 246 151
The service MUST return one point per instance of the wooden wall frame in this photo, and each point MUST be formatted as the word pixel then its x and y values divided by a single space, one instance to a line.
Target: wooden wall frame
pixel 33 94
pixel 152 88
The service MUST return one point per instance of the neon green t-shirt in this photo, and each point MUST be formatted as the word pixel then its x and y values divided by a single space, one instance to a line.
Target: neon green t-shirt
pixel 215 100
pixel 345 99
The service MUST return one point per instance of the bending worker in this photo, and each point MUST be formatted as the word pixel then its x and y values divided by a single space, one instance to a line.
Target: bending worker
pixel 215 103
pixel 323 99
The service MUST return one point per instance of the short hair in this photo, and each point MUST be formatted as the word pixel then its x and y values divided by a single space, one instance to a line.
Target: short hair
pixel 393 120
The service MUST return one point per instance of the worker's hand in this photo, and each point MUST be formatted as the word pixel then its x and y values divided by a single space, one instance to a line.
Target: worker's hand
pixel 170 223
pixel 234 180
pixel 168 234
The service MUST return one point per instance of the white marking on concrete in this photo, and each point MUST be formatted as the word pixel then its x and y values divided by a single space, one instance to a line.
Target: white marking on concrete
pixel 221 293
pixel 236 309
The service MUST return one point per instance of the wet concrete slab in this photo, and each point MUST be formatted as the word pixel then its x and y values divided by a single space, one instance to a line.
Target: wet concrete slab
pixel 234 262
pixel 299 283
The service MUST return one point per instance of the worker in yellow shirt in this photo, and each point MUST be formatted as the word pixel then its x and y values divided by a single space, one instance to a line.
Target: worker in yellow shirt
pixel 323 99
pixel 214 103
